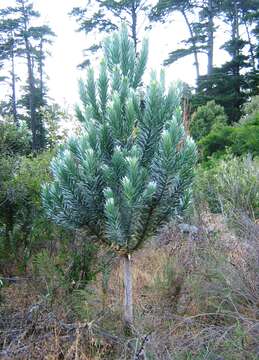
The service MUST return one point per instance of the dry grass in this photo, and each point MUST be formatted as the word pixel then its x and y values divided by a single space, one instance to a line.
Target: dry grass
pixel 196 297
pixel 39 332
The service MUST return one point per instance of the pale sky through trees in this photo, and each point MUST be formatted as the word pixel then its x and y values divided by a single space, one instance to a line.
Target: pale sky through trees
pixel 66 51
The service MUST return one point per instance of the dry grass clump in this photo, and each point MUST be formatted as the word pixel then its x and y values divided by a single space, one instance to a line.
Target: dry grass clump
pixel 206 298
pixel 30 329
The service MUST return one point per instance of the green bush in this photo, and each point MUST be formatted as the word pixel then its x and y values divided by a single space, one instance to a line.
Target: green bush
pixel 66 270
pixel 250 110
pixel 23 227
pixel 217 141
pixel 240 139
pixel 14 140
pixel 205 118
pixel 205 187
pixel 231 184
pixel 245 137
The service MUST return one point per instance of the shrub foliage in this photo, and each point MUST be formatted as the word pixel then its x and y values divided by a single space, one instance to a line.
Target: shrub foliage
pixel 131 170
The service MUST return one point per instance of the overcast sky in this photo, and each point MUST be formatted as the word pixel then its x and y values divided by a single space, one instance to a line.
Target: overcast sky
pixel 66 51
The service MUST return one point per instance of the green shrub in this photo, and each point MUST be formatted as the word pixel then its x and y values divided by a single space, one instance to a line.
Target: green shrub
pixel 240 139
pixel 231 184
pixel 50 274
pixel 205 187
pixel 205 118
pixel 218 140
pixel 250 110
pixel 245 137
pixel 14 140
pixel 69 269
pixel 23 227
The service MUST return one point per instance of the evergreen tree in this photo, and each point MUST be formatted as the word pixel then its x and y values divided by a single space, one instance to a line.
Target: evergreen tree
pixel 235 81
pixel 227 88
pixel 131 171
pixel 107 16
pixel 160 13
pixel 201 30
pixel 30 35
pixel 209 10
pixel 9 48
pixel 23 40
pixel 250 21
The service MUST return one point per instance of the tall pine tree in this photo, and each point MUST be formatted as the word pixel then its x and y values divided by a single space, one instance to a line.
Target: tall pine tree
pixel 235 81
pixel 9 49
pixel 162 10
pixel 199 17
pixel 107 16
pixel 25 41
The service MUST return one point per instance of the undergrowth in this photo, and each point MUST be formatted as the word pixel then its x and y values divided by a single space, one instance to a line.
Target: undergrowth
pixel 196 288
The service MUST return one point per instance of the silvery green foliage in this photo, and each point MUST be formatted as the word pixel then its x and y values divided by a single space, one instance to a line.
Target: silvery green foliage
pixel 131 171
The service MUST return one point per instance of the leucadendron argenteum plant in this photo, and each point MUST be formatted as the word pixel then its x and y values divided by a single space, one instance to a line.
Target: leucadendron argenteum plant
pixel 131 170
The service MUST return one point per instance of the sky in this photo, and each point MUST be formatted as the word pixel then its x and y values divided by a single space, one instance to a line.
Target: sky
pixel 66 51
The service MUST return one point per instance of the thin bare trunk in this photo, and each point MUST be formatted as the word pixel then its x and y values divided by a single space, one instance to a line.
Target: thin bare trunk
pixel 250 47
pixel 134 25
pixel 41 70
pixel 35 145
pixel 31 97
pixel 128 302
pixel 186 115
pixel 14 108
pixel 41 102
pixel 210 38
pixel 195 52
pixel 236 38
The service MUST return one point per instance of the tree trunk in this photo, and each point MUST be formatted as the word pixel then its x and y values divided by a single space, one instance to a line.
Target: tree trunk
pixel 186 115
pixel 195 52
pixel 210 38
pixel 14 108
pixel 134 25
pixel 41 70
pixel 251 50
pixel 128 302
pixel 31 98
pixel 236 38
pixel 35 146
pixel 41 100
